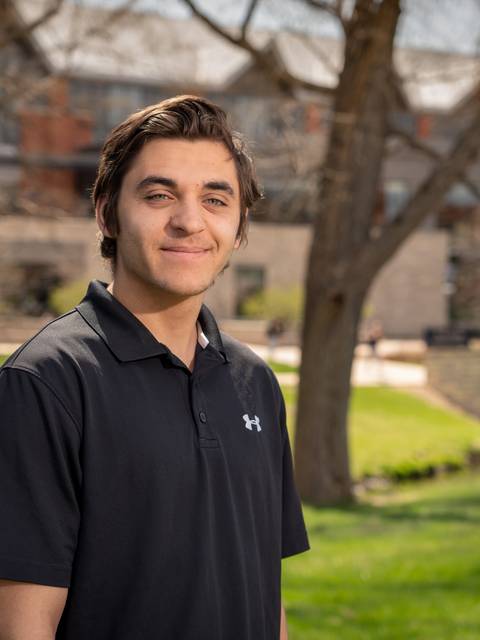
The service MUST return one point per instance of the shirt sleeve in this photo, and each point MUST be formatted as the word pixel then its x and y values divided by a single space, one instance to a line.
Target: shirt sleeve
pixel 40 480
pixel 294 533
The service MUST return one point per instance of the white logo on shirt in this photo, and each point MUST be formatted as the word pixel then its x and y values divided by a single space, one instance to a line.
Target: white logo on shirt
pixel 249 422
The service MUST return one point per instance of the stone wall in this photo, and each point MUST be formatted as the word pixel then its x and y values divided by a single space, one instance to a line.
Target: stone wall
pixel 465 247
pixel 407 295
pixel 64 247
pixel 455 372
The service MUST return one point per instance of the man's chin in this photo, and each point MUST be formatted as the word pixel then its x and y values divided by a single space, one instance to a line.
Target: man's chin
pixel 186 290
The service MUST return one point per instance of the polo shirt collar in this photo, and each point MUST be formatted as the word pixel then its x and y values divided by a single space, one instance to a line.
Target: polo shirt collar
pixel 127 337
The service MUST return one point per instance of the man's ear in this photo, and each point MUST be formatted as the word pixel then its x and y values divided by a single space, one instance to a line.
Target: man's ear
pixel 99 215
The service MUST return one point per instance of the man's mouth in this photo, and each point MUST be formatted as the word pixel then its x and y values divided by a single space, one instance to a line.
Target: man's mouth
pixel 186 251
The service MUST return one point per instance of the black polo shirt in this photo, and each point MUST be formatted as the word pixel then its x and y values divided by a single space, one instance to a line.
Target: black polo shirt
pixel 163 498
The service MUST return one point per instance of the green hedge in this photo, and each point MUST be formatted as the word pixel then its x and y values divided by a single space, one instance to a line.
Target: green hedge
pixel 276 302
pixel 67 296
pixel 399 436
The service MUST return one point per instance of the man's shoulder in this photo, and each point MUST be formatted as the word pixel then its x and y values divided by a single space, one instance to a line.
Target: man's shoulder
pixel 246 363
pixel 54 360
pixel 59 341
pixel 240 352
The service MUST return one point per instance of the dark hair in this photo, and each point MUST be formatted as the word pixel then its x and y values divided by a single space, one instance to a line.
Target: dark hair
pixel 184 116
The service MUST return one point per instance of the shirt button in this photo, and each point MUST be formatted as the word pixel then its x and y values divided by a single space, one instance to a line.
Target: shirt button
pixel 203 416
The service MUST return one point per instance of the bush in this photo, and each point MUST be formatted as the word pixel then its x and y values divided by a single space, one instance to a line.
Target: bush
pixel 67 296
pixel 397 436
pixel 417 469
pixel 276 302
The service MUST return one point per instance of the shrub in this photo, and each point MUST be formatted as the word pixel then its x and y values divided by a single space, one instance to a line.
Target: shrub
pixel 67 296
pixel 276 302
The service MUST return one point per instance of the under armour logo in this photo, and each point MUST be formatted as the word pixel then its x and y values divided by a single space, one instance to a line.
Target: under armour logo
pixel 249 422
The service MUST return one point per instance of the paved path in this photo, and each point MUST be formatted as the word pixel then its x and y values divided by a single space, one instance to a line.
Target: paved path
pixel 367 371
pixel 7 347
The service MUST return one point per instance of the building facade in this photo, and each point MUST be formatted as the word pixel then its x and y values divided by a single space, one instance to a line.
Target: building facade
pixel 83 78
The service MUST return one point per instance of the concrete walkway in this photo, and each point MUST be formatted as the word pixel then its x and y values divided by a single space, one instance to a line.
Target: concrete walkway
pixel 7 347
pixel 366 371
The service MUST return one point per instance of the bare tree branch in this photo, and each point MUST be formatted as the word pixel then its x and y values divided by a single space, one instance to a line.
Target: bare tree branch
pixel 415 144
pixel 248 17
pixel 26 88
pixel 316 50
pixel 17 31
pixel 472 187
pixel 335 10
pixel 396 94
pixel 101 27
pixel 428 197
pixel 285 81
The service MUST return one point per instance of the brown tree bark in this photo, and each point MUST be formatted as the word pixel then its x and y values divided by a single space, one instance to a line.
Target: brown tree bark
pixel 321 437
pixel 332 309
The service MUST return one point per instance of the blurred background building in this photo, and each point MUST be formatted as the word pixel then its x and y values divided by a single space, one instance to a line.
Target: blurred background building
pixel 80 73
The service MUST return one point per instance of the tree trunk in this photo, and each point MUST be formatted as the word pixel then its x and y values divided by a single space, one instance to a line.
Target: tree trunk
pixel 321 442
pixel 332 305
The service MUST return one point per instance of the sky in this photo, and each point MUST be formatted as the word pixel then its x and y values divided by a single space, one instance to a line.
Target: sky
pixel 446 25
pixel 442 25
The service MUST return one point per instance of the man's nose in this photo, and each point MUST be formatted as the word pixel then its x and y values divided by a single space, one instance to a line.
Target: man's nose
pixel 188 216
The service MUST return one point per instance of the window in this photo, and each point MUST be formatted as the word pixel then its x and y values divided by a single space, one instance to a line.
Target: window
pixel 249 279
pixel 395 196
pixel 109 103
pixel 461 196
pixel 9 130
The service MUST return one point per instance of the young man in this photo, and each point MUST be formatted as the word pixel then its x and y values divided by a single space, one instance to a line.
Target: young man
pixel 145 468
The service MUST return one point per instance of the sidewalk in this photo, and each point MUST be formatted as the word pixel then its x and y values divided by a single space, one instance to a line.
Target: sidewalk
pixel 366 370
pixel 6 348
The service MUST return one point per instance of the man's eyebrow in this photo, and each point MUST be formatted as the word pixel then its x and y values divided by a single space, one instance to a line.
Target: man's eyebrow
pixel 219 185
pixel 151 180
pixel 216 185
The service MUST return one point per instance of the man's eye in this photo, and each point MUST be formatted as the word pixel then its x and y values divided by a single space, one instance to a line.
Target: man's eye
pixel 216 201
pixel 156 196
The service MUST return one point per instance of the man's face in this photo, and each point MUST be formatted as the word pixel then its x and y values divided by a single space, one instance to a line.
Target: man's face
pixel 178 212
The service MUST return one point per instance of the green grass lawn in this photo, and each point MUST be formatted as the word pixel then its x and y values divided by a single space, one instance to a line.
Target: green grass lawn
pixel 391 431
pixel 402 565
pixel 390 428
pixel 2 359
pixel 408 568
pixel 282 367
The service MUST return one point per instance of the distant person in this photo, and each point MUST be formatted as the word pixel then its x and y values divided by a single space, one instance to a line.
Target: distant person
pixel 374 335
pixel 275 330
pixel 146 480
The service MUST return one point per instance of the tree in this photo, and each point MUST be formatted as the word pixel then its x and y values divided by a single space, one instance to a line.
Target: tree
pixel 349 247
pixel 33 81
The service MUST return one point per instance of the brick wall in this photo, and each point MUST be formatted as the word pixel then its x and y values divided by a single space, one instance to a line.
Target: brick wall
pixel 50 134
pixel 455 372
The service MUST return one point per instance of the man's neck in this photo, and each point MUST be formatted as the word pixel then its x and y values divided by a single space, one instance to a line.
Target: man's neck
pixel 172 321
